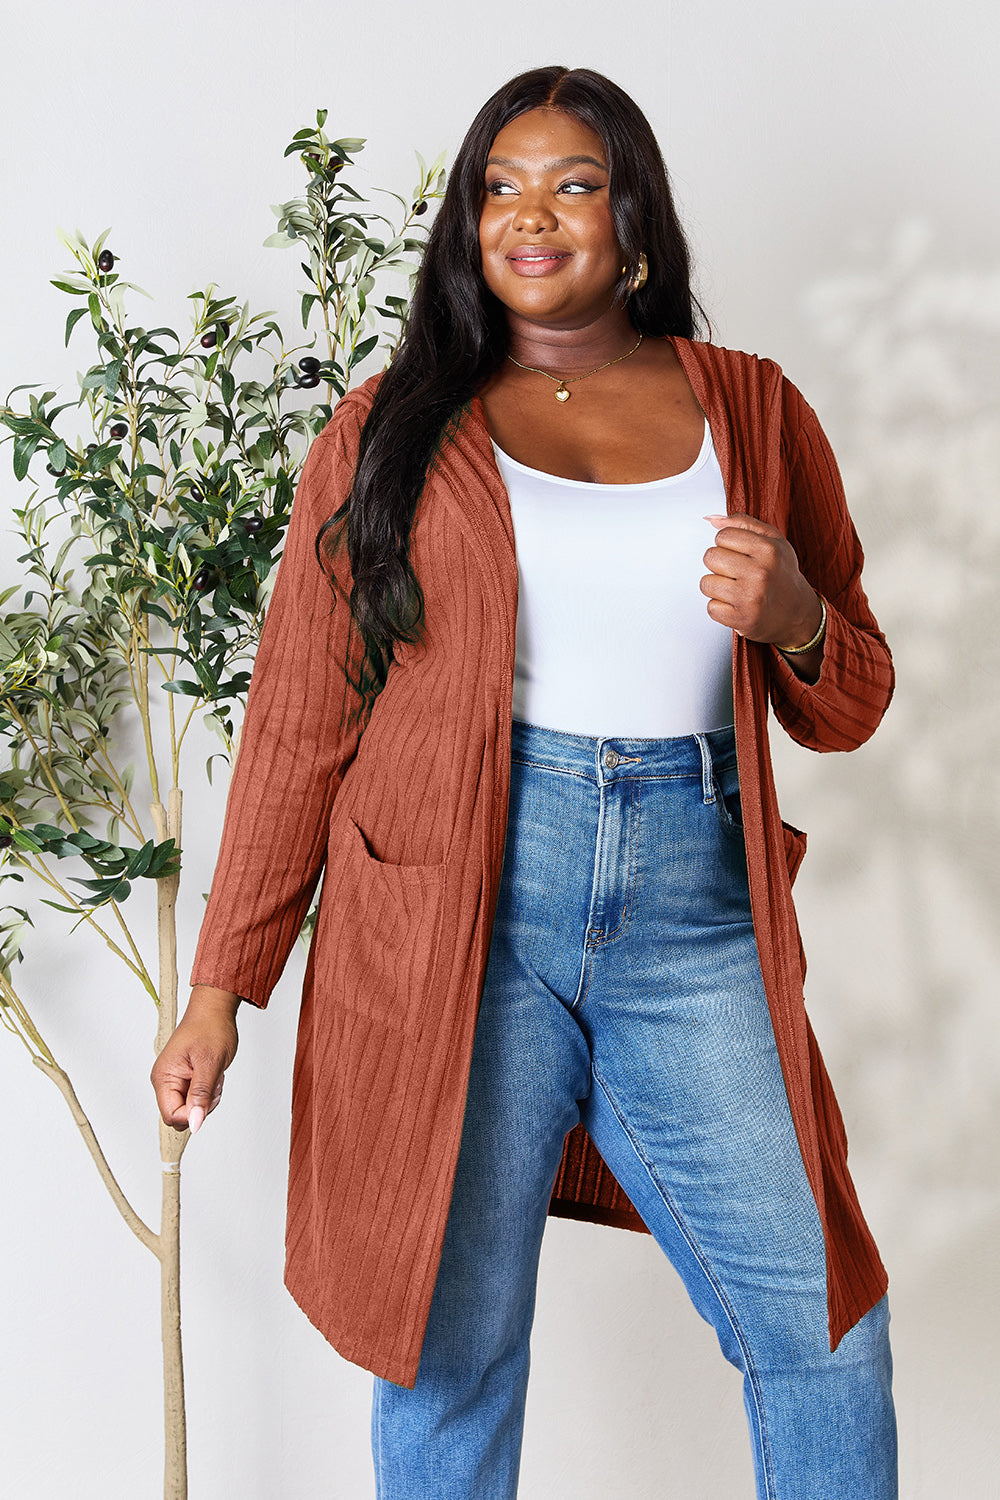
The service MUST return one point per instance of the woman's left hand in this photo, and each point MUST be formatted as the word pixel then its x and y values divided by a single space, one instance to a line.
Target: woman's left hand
pixel 754 585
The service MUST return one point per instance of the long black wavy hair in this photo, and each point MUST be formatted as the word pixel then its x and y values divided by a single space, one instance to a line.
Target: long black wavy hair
pixel 456 338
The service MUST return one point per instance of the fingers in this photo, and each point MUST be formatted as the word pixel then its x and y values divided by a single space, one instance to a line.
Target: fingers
pixel 754 585
pixel 204 1093
pixel 725 614
pixel 737 550
pixel 188 1074
pixel 740 521
pixel 171 1097
pixel 187 1092
pixel 727 590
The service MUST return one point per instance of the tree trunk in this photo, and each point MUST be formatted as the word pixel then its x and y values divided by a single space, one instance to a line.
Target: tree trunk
pixel 172 1143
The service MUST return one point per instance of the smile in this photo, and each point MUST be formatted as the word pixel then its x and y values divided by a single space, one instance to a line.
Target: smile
pixel 538 262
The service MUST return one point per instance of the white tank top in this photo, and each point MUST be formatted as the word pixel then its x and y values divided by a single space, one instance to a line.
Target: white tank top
pixel 613 636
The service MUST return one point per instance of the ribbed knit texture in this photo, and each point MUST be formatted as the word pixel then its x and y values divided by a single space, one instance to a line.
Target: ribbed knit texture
pixel 409 818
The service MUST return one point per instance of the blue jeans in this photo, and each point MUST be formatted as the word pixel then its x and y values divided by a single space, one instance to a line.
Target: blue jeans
pixel 623 989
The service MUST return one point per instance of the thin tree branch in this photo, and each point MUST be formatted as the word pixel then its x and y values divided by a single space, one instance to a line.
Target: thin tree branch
pixel 142 1231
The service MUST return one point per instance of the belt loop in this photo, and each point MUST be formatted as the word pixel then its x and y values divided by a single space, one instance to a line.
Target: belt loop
pixel 707 779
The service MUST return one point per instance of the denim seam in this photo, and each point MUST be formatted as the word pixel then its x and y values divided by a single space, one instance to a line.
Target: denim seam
pixel 377 1415
pixel 654 776
pixel 542 765
pixel 602 937
pixel 619 739
pixel 539 765
pixel 766 1463
pixel 708 781
pixel 584 981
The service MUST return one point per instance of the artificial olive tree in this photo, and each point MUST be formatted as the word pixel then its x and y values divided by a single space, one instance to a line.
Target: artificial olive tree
pixel 147 555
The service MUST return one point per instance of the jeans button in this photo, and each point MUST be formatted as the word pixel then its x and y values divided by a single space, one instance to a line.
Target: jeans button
pixel 611 758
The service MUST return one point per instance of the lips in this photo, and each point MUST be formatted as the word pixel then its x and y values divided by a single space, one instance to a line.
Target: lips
pixel 536 260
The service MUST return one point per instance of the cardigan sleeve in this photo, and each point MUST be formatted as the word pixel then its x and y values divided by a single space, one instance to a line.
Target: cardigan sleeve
pixel 300 732
pixel 844 707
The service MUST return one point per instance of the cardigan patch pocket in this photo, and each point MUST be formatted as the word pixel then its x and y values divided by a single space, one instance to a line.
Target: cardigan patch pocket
pixel 795 849
pixel 382 931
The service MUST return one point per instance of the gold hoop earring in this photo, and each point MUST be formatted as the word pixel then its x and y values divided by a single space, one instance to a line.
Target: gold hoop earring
pixel 639 278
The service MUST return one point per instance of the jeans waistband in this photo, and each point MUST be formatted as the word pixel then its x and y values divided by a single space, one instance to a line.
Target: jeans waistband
pixel 606 758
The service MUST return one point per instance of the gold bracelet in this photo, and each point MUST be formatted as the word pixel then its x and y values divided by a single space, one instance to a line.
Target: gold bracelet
pixel 809 645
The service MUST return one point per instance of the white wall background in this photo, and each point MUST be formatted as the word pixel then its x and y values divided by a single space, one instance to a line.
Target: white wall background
pixel 836 164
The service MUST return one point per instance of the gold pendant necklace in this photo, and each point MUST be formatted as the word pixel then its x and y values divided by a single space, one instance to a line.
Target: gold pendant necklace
pixel 562 383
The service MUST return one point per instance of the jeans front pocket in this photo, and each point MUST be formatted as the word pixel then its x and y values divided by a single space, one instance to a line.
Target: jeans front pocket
pixel 726 780
pixel 378 932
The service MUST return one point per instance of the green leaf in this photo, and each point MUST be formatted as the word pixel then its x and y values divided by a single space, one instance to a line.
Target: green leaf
pixel 112 375
pixel 23 425
pixel 227 385
pixel 140 861
pixel 73 319
pixel 25 841
pixel 47 831
pixel 207 677
pixel 24 450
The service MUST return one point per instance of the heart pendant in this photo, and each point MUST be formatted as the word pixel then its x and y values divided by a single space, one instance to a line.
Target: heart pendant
pixel 562 394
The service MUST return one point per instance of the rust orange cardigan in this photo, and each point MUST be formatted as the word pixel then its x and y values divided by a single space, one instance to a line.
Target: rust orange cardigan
pixel 408 821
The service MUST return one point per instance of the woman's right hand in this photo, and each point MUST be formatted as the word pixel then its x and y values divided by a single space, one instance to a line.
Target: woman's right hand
pixel 187 1075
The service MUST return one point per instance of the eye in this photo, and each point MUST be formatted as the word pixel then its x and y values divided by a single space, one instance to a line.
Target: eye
pixel 498 188
pixel 579 187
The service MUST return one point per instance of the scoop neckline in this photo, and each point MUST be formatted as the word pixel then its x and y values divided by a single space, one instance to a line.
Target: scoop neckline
pixel 590 484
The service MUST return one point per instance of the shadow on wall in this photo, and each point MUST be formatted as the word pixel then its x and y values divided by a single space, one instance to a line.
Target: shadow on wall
pixel 913 354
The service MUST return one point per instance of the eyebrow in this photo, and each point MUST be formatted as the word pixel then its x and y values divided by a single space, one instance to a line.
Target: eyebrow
pixel 550 166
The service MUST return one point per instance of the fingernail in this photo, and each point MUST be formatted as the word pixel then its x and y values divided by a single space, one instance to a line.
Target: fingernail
pixel 195 1118
pixel 716 518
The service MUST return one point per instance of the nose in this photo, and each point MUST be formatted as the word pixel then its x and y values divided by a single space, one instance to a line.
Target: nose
pixel 534 214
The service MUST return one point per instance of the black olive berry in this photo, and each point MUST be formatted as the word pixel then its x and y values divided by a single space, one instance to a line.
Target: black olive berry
pixel 203 579
pixel 309 365
pixel 421 207
pixel 307 382
pixel 105 261
pixel 209 340
pixel 56 473
pixel 253 524
pixel 119 430
pixel 5 840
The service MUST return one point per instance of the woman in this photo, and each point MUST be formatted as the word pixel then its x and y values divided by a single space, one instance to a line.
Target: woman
pixel 555 966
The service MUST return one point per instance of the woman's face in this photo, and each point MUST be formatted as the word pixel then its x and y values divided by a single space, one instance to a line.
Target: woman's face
pixel 549 249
